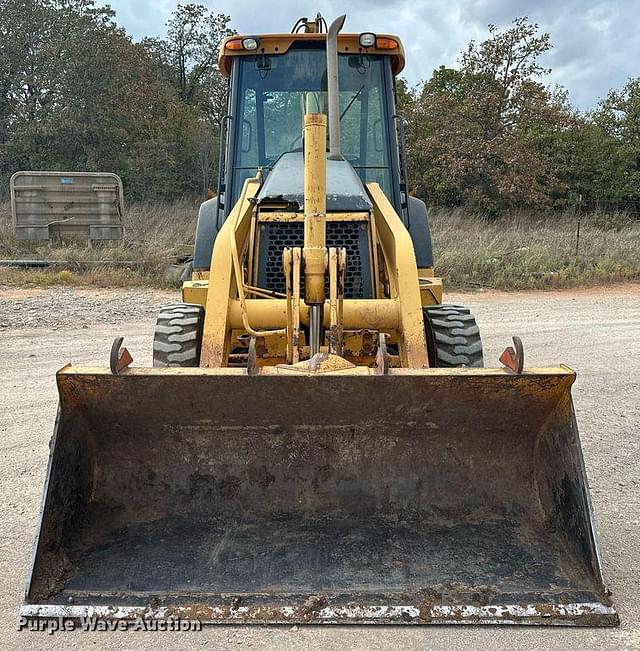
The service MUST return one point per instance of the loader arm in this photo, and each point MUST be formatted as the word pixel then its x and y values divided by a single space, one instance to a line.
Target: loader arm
pixel 400 312
pixel 233 236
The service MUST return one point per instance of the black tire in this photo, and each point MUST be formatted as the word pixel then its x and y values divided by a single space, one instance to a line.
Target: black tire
pixel 453 337
pixel 177 338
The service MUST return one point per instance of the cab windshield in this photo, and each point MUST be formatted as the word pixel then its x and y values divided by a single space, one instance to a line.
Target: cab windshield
pixel 275 92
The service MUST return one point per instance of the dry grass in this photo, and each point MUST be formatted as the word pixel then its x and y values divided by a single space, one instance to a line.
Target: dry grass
pixel 155 236
pixel 525 251
pixel 522 251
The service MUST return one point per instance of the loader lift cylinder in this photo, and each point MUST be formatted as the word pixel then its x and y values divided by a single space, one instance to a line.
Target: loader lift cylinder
pixel 315 181
pixel 315 208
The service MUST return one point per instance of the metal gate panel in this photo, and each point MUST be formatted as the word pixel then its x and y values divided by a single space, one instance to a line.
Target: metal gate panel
pixel 66 205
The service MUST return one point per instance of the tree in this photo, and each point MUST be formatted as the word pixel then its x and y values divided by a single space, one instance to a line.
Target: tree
pixel 76 93
pixel 43 42
pixel 476 128
pixel 188 59
pixel 618 117
pixel 189 53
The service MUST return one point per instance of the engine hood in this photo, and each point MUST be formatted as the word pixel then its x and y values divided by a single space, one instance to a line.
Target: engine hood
pixel 285 183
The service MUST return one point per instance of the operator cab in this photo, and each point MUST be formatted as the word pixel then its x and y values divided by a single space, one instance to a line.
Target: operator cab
pixel 276 79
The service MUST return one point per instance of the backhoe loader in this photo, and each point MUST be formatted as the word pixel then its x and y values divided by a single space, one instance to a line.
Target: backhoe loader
pixel 318 440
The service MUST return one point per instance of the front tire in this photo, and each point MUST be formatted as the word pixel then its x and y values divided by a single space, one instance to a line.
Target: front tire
pixel 453 337
pixel 177 338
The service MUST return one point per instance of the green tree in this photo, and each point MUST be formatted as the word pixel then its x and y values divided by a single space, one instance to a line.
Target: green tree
pixel 618 116
pixel 188 59
pixel 38 43
pixel 597 155
pixel 77 93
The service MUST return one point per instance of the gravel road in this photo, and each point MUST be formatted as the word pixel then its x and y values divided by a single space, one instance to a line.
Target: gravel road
pixel 596 332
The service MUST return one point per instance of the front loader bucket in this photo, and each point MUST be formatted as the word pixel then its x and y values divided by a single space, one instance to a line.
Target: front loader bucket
pixel 435 496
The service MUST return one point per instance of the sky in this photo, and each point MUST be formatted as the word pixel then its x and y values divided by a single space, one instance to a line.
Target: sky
pixel 596 43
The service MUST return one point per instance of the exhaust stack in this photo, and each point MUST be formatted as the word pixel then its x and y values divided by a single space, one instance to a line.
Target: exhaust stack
pixel 333 88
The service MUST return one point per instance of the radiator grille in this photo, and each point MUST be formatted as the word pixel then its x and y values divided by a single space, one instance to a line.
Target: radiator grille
pixel 353 236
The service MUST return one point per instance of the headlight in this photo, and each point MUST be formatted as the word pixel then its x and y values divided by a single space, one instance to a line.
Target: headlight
pixel 250 43
pixel 367 39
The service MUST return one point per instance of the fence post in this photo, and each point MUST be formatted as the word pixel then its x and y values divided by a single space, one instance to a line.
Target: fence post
pixel 579 208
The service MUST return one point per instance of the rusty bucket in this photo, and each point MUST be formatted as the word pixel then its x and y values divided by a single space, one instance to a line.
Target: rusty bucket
pixel 417 497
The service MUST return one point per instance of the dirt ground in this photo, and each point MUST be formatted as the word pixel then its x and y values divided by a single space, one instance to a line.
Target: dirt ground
pixel 596 332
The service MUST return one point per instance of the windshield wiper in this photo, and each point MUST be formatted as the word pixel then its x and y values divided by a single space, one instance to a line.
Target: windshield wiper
pixel 351 101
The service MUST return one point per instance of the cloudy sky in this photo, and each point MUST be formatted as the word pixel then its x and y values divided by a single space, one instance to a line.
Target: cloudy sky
pixel 596 42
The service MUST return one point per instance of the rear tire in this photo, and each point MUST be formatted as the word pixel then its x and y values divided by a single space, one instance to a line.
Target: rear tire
pixel 177 338
pixel 453 337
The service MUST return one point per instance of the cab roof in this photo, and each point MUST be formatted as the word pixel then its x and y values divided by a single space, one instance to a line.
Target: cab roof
pixel 274 44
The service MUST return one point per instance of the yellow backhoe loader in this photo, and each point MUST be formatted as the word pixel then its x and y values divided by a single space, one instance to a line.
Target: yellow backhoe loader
pixel 318 440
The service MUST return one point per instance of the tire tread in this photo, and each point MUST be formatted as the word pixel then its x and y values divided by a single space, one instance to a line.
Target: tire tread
pixel 177 336
pixel 453 337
